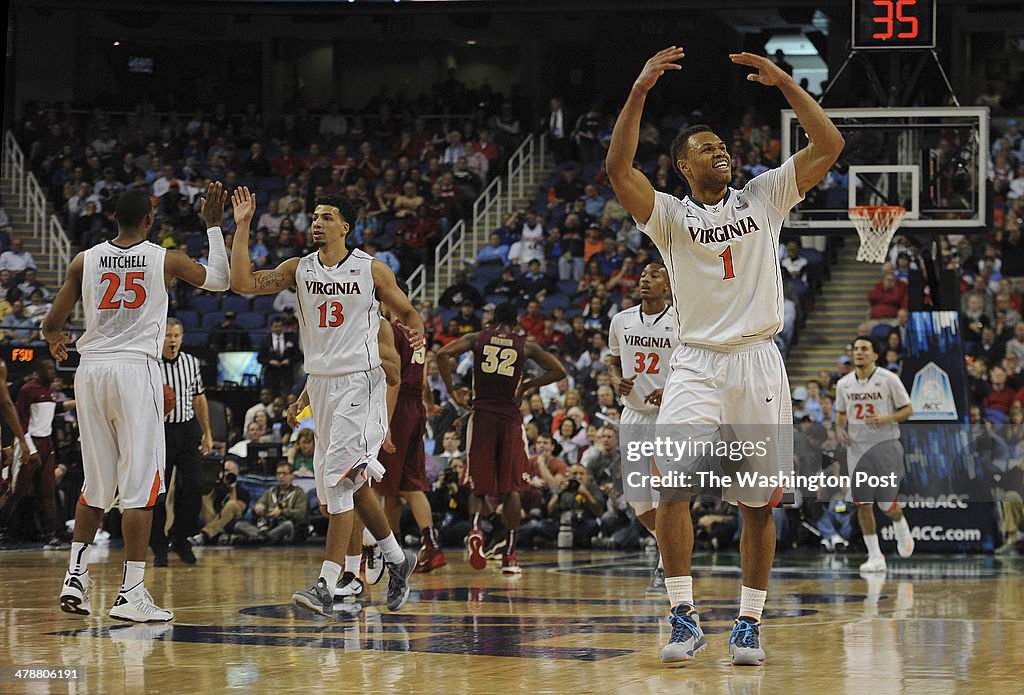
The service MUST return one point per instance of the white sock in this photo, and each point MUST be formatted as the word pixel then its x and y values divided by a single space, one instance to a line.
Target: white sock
pixel 352 563
pixel 330 571
pixel 872 543
pixel 661 562
pixel 391 549
pixel 902 528
pixel 134 573
pixel 752 602
pixel 79 563
pixel 368 538
pixel 680 590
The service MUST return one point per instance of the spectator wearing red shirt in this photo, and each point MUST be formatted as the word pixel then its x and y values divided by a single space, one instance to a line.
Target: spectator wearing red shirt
pixel 1000 396
pixel 533 321
pixel 311 159
pixel 286 165
pixel 886 299
pixel 548 335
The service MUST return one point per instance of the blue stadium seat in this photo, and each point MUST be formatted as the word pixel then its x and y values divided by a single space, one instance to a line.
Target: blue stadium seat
pixel 447 315
pixel 881 331
pixel 271 185
pixel 812 256
pixel 264 304
pixel 189 319
pixel 195 338
pixel 553 301
pixel 996 416
pixel 495 299
pixel 195 244
pixel 486 273
pixel 567 287
pixel 235 303
pixel 212 319
pixel 250 320
pixel 205 303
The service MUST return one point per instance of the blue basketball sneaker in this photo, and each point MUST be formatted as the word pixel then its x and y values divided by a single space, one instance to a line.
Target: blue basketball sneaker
pixel 687 638
pixel 745 642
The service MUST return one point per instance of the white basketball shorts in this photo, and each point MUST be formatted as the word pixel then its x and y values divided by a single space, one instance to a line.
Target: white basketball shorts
pixel 350 413
pixel 120 404
pixel 726 412
pixel 635 428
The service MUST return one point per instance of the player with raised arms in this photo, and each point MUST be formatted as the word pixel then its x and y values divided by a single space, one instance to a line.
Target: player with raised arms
pixel 720 246
pixel 119 391
pixel 339 295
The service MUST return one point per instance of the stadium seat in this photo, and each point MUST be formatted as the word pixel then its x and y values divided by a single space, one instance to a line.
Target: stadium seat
pixel 486 273
pixel 567 287
pixel 264 304
pixel 195 244
pixel 195 338
pixel 205 303
pixel 495 299
pixel 189 319
pixel 447 315
pixel 250 319
pixel 881 331
pixel 996 416
pixel 555 300
pixel 271 185
pixel 212 319
pixel 235 303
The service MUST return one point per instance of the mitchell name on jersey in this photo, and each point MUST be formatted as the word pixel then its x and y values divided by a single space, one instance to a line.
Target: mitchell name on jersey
pixel 123 262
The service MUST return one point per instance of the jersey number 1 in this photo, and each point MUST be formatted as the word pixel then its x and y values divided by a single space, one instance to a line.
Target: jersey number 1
pixel 726 257
pixel 132 283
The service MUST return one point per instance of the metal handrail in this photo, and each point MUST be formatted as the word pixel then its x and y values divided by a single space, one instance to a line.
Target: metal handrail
pixel 417 283
pixel 483 207
pixel 445 255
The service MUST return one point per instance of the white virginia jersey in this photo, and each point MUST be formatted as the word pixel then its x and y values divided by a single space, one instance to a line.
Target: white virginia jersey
pixel 124 295
pixel 723 259
pixel 644 344
pixel 338 315
pixel 883 393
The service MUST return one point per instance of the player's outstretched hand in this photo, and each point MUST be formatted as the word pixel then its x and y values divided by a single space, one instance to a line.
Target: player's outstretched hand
pixel 388 446
pixel 244 205
pixel 768 73
pixel 624 387
pixel 59 346
pixel 665 59
pixel 212 208
pixel 416 340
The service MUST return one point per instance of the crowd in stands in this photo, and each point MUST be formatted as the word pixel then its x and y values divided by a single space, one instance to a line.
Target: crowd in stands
pixel 570 260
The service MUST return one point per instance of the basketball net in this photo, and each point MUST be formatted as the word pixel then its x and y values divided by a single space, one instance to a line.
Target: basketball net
pixel 876 225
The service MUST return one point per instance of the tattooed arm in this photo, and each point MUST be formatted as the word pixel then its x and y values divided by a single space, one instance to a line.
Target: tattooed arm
pixel 243 279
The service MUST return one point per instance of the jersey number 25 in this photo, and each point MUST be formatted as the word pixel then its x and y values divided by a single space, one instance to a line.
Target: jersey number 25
pixel 132 283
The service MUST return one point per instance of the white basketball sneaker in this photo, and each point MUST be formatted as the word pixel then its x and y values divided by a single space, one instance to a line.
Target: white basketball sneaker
pixel 74 594
pixel 138 606
pixel 904 541
pixel 874 564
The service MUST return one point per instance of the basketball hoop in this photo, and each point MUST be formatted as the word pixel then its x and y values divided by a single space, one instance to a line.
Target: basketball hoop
pixel 876 225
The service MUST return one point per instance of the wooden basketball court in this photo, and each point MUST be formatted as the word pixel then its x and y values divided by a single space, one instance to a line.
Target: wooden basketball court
pixel 573 622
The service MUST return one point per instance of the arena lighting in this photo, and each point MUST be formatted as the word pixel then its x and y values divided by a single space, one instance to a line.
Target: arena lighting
pixel 117 43
pixel 471 42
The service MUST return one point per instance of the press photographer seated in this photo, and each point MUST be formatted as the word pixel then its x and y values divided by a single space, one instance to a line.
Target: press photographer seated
pixel 222 506
pixel 280 514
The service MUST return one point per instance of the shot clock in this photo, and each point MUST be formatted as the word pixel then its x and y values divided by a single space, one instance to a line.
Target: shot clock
pixel 893 24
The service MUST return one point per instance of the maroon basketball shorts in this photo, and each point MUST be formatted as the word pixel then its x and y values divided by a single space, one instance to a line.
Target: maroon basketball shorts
pixel 496 461
pixel 406 469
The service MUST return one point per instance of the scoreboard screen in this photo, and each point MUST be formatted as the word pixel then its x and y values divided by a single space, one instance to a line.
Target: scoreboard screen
pixel 894 24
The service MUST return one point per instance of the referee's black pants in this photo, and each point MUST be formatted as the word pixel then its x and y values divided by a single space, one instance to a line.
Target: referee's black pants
pixel 182 440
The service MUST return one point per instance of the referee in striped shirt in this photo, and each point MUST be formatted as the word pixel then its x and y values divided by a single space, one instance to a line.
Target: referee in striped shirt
pixel 187 433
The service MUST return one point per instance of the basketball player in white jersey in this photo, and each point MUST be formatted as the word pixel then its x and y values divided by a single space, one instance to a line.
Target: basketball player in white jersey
pixel 641 341
pixel 720 247
pixel 870 404
pixel 339 294
pixel 123 287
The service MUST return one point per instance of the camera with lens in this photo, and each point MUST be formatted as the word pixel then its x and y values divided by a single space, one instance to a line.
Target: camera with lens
pixel 573 485
pixel 451 476
pixel 227 479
